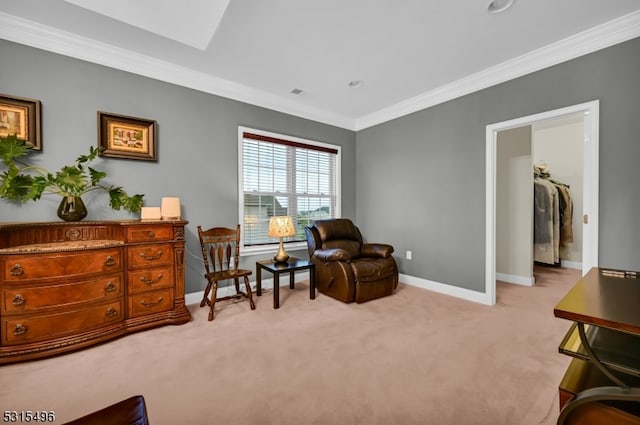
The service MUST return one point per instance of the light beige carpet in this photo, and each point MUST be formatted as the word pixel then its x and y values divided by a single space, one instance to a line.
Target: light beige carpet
pixel 416 357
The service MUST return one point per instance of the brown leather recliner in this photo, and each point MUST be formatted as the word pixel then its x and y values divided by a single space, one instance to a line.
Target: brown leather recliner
pixel 346 268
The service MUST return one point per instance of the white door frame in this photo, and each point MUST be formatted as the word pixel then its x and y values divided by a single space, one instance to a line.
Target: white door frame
pixel 591 111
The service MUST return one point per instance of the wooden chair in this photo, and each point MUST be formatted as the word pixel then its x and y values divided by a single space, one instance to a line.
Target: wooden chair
pixel 221 254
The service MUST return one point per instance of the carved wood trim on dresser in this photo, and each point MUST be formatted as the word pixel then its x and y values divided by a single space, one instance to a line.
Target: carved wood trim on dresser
pixel 70 285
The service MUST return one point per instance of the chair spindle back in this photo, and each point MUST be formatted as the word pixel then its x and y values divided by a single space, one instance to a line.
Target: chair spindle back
pixel 220 248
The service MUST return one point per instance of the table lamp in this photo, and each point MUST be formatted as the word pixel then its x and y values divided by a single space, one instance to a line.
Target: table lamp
pixel 279 227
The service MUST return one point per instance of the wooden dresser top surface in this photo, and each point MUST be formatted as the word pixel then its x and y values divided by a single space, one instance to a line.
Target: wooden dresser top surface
pixel 60 246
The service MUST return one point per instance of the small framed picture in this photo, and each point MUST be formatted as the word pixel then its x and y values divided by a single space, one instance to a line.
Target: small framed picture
pixel 21 116
pixel 120 136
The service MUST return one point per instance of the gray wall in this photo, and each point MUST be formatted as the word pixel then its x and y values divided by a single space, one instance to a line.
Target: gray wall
pixel 197 141
pixel 421 178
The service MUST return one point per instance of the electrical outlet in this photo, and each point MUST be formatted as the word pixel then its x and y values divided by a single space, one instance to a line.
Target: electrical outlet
pixel 409 255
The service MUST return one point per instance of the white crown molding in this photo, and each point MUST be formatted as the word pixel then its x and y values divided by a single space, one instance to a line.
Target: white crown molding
pixel 599 37
pixel 33 34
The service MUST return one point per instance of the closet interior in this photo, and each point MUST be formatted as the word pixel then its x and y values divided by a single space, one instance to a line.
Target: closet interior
pixel 538 211
pixel 552 216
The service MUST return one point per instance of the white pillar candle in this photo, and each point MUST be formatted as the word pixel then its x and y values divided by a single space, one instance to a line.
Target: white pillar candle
pixel 170 208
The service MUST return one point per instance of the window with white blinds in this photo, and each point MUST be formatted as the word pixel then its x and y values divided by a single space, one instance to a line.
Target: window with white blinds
pixel 282 175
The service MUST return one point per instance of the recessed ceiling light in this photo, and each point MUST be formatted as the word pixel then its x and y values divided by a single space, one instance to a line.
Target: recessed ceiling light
pixel 356 83
pixel 497 6
pixel 296 91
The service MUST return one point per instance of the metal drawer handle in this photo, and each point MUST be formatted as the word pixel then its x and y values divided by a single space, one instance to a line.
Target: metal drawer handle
pixel 152 234
pixel 151 258
pixel 18 300
pixel 151 304
pixel 111 312
pixel 110 287
pixel 151 281
pixel 110 261
pixel 20 329
pixel 16 270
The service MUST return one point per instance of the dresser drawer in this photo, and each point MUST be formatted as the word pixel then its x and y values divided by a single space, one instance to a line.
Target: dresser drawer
pixel 150 233
pixel 61 265
pixel 33 328
pixel 150 255
pixel 150 302
pixel 29 299
pixel 150 279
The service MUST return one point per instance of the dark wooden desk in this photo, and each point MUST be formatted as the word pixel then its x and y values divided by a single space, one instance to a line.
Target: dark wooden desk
pixel 291 266
pixel 606 298
pixel 606 333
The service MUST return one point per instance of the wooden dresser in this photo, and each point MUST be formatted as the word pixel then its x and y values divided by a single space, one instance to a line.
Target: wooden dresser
pixel 69 285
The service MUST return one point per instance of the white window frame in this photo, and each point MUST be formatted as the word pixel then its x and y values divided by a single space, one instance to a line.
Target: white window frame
pixel 269 248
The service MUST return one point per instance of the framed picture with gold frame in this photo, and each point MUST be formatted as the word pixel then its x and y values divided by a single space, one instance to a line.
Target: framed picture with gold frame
pixel 21 116
pixel 120 136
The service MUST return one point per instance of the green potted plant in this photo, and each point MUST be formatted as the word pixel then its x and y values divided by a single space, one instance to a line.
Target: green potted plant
pixel 22 182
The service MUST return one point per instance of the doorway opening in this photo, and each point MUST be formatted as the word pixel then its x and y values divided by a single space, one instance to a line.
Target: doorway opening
pixel 588 217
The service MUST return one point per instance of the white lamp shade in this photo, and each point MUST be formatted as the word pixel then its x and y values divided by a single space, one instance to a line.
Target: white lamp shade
pixel 281 226
pixel 170 208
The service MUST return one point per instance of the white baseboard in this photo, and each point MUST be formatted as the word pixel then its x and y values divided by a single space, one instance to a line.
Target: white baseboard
pixel 196 297
pixel 519 280
pixel 571 264
pixel 443 288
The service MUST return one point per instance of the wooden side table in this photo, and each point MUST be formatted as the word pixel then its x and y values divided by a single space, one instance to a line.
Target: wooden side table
pixel 291 266
pixel 605 338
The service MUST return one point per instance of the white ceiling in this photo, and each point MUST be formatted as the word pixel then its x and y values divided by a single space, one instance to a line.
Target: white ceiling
pixel 165 18
pixel 409 54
